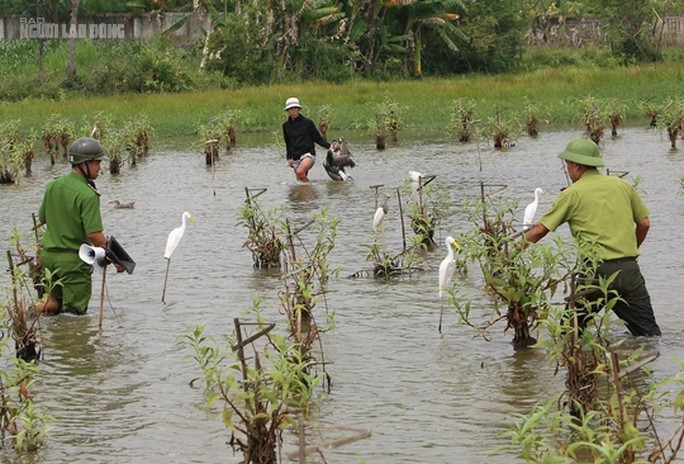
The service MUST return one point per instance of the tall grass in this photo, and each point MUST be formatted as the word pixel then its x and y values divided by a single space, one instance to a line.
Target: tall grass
pixel 426 104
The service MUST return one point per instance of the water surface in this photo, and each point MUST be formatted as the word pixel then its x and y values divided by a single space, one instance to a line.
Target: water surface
pixel 124 395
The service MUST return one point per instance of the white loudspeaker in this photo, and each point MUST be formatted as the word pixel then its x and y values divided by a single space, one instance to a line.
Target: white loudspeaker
pixel 90 254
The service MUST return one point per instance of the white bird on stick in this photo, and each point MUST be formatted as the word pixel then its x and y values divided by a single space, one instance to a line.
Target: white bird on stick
pixel 446 272
pixel 379 215
pixel 416 178
pixel 172 242
pixel 531 209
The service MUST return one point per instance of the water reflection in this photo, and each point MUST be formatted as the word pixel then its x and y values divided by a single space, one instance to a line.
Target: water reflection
pixel 302 197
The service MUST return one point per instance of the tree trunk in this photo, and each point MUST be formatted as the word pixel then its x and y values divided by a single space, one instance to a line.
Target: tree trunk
pixel 73 27
pixel 417 54
pixel 41 60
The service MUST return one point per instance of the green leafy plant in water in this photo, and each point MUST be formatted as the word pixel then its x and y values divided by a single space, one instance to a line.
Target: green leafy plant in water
pixel 672 119
pixel 21 426
pixel 463 119
pixel 11 160
pixel 593 116
pixel 521 280
pixel 259 401
pixel 610 414
pixel 114 145
pixel 616 113
pixel 608 410
pixel 387 265
pixel 265 234
pixel 532 119
pixel 388 118
pixel 502 130
pixel 324 119
pixel 650 110
pixel 56 136
pixel 97 127
pixel 307 274
pixel 220 132
pixel 227 127
pixel 138 133
pixel 427 206
pixel 24 329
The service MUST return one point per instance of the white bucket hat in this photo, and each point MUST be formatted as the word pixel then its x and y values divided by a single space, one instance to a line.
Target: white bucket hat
pixel 292 102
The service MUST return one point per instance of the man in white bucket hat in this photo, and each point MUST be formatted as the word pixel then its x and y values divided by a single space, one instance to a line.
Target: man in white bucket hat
pixel 301 135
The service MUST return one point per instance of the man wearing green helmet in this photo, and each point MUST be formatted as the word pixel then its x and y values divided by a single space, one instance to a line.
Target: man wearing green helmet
pixel 606 214
pixel 71 211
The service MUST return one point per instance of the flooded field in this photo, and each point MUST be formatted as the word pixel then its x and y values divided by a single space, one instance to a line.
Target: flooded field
pixel 124 395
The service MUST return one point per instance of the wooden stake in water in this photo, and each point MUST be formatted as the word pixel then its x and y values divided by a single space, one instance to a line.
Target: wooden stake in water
pixel 166 278
pixel 102 293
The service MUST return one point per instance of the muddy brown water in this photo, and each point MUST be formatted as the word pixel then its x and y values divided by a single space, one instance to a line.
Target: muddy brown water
pixel 124 395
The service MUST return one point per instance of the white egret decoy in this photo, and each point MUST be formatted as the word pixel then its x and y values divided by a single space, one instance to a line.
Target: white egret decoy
pixel 380 215
pixel 415 176
pixel 172 242
pixel 531 209
pixel 446 272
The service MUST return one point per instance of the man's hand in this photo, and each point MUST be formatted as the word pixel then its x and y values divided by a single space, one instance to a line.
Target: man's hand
pixel 119 268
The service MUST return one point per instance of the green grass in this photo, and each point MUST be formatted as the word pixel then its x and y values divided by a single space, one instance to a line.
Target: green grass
pixel 426 105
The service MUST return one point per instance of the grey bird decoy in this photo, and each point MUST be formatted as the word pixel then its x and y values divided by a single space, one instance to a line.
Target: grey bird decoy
pixel 118 205
pixel 337 159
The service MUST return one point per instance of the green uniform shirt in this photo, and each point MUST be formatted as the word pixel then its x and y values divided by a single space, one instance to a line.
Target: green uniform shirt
pixel 71 209
pixel 602 211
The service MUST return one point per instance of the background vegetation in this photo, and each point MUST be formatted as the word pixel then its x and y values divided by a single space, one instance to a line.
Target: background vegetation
pixel 346 56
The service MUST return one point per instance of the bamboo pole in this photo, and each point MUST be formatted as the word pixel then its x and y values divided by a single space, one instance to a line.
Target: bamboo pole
pixel 102 294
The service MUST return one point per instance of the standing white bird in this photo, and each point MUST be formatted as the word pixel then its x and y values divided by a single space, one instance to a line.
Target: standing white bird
pixel 446 273
pixel 531 209
pixel 380 215
pixel 172 242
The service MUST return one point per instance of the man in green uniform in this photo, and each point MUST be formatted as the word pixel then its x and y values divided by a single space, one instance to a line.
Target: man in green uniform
pixel 71 210
pixel 606 214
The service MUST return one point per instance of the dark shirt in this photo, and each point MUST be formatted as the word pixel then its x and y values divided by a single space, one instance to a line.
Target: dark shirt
pixel 300 135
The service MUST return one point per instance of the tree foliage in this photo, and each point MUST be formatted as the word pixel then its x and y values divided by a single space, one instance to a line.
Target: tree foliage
pixel 267 41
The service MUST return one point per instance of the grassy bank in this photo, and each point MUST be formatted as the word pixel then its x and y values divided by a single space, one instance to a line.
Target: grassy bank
pixel 426 105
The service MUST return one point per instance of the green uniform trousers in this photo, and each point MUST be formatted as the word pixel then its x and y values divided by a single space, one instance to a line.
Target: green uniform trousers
pixel 634 306
pixel 71 280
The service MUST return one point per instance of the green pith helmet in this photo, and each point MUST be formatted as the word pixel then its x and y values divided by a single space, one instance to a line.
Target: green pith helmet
pixel 583 151
pixel 85 149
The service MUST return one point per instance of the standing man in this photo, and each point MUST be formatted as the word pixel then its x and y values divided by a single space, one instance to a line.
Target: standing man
pixel 71 210
pixel 607 213
pixel 300 134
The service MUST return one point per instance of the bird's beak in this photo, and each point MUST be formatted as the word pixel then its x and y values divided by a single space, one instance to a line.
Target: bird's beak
pixel 544 194
pixel 455 246
pixel 192 220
